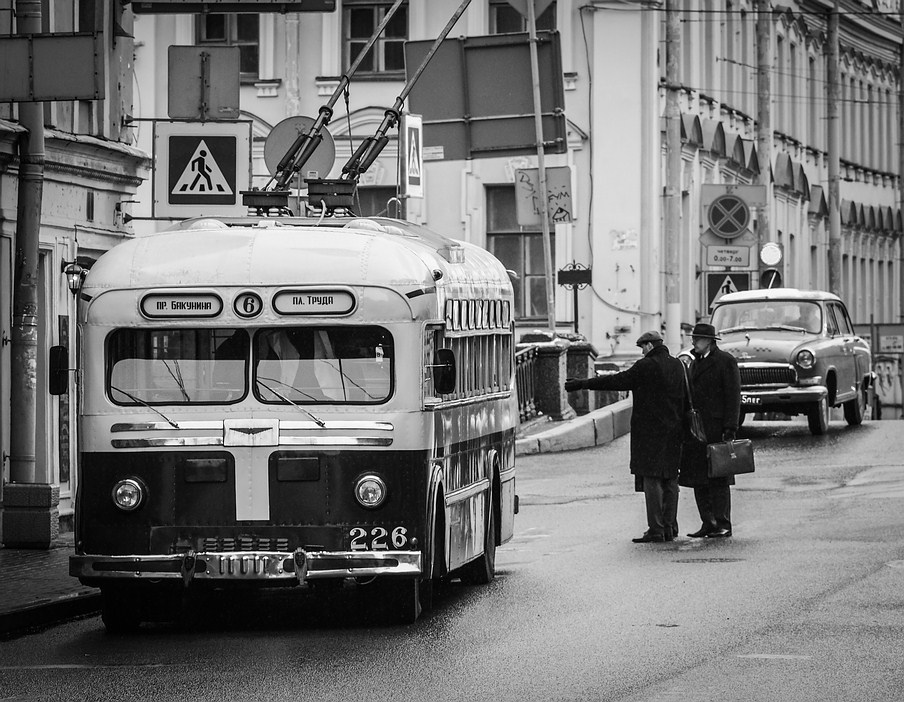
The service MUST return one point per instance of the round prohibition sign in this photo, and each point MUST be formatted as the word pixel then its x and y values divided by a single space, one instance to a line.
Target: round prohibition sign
pixel 247 305
pixel 728 216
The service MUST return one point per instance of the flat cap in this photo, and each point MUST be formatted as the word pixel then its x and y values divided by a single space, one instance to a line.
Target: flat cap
pixel 649 337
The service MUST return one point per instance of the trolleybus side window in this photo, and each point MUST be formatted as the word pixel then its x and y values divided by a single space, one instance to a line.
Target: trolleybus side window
pixel 177 366
pixel 309 364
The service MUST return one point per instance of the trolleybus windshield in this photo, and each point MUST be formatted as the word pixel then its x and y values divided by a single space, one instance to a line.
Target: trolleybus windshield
pixel 177 366
pixel 292 365
pixel 319 364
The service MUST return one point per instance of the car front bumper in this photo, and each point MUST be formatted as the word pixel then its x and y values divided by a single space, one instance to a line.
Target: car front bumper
pixel 777 399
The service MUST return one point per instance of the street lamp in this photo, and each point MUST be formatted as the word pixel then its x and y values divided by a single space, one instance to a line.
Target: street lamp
pixel 75 274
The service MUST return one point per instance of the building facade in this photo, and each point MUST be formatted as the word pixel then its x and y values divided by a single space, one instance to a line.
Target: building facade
pixel 99 188
pixel 613 60
pixel 91 172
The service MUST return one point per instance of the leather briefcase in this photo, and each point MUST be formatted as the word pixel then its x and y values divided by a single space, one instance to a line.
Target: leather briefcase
pixel 730 458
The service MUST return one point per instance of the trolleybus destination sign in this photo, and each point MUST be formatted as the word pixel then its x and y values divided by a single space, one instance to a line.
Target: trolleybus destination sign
pixel 169 305
pixel 314 302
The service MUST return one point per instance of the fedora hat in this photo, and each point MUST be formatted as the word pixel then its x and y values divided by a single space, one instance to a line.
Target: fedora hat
pixel 705 331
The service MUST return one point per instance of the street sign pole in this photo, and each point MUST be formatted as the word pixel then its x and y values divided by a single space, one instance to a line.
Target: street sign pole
pixel 544 200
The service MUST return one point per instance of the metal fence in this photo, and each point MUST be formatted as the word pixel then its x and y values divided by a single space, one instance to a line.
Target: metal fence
pixel 526 382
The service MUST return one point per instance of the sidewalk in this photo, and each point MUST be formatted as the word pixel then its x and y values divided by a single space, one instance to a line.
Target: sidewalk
pixel 36 589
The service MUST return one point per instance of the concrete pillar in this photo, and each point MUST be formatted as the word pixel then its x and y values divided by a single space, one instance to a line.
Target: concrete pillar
pixel 579 364
pixel 552 363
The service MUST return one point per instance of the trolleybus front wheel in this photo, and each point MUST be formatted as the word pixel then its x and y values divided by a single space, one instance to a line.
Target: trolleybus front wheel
pixel 120 612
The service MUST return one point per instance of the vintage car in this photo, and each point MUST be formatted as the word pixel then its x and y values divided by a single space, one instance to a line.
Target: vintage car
pixel 798 354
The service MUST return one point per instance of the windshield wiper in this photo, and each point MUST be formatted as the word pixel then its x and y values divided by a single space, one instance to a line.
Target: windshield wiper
pixel 734 329
pixel 177 376
pixel 142 402
pixel 338 369
pixel 785 327
pixel 282 397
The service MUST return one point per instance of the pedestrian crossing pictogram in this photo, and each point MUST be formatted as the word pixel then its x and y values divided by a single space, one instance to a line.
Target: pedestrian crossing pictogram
pixel 414 156
pixel 719 284
pixel 202 175
pixel 202 170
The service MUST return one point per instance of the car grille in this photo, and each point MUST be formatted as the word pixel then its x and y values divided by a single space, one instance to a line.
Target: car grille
pixel 767 375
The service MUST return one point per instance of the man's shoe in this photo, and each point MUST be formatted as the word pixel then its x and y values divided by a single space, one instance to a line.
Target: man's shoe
pixel 649 538
pixel 702 531
pixel 719 534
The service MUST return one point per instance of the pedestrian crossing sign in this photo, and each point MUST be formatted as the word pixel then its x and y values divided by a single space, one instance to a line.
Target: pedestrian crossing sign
pixel 719 284
pixel 202 167
pixel 413 162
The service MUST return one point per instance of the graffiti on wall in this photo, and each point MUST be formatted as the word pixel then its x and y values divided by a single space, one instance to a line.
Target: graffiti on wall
pixel 888 379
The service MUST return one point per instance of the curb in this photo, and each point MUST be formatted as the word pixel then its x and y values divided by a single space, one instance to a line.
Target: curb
pixel 595 428
pixel 49 611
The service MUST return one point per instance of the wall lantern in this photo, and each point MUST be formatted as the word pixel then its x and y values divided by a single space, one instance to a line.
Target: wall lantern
pixel 75 274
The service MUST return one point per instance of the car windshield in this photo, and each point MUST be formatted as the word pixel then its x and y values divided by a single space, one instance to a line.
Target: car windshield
pixel 789 315
pixel 291 365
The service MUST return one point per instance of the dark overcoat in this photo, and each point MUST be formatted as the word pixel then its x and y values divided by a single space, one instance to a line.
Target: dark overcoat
pixel 657 384
pixel 716 392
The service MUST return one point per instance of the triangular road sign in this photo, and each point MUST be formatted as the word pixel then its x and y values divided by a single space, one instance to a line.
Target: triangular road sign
pixel 202 175
pixel 727 286
pixel 414 157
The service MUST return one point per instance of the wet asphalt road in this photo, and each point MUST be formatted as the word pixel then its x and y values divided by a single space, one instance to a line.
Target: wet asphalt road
pixel 805 602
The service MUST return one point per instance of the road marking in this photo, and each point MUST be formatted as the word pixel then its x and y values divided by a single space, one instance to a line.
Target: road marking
pixel 776 656
pixel 80 666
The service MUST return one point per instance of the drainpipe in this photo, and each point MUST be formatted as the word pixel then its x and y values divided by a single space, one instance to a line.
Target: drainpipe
pixel 24 371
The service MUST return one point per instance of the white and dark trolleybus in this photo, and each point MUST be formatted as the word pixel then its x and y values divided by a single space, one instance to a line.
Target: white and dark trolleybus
pixel 291 401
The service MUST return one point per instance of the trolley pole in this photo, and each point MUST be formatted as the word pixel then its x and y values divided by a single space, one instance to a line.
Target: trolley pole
pixel 673 178
pixel 541 168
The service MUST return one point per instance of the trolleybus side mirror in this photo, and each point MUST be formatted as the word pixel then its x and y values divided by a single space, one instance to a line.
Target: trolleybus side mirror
pixel 58 382
pixel 444 372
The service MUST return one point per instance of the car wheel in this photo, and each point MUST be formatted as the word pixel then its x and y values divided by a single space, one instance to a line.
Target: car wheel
pixel 818 417
pixel 854 410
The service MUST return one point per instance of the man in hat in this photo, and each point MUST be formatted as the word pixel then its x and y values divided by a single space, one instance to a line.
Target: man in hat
pixel 716 393
pixel 657 382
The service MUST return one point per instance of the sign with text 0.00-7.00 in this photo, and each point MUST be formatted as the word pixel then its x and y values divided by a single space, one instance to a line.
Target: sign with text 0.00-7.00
pixel 202 168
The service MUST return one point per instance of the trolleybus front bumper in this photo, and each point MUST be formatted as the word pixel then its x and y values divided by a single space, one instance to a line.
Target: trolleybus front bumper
pixel 298 566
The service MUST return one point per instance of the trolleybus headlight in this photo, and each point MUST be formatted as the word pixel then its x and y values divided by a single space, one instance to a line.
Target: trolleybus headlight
pixel 806 359
pixel 129 494
pixel 370 491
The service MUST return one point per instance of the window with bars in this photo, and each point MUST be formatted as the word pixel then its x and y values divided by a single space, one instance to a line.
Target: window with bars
pixel 519 249
pixel 505 19
pixel 241 30
pixel 359 21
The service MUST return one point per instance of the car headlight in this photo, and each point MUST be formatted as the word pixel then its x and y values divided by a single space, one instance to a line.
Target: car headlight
pixel 370 491
pixel 806 359
pixel 129 494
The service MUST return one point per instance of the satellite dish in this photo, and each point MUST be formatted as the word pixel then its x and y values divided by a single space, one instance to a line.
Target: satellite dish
pixel 284 134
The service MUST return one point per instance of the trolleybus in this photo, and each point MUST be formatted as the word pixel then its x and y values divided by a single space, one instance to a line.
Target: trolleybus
pixel 291 401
